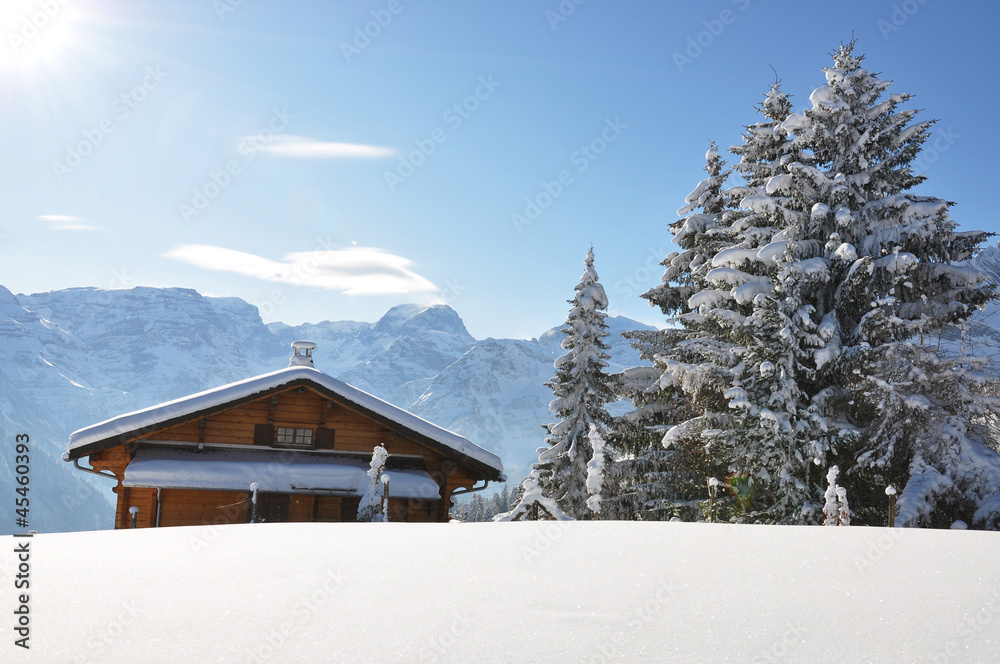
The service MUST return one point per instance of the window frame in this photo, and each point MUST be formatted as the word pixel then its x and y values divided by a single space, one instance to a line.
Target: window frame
pixel 300 438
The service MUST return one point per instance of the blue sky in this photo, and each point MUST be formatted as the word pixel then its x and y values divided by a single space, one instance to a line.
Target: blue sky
pixel 278 153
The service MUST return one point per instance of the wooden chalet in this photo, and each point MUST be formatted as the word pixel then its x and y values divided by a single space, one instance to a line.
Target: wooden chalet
pixel 303 437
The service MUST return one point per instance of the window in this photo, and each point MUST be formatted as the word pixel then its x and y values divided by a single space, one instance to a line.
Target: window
pixel 294 437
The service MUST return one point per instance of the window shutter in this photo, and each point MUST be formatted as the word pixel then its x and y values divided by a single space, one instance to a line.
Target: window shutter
pixel 273 507
pixel 324 439
pixel 263 434
pixel 349 508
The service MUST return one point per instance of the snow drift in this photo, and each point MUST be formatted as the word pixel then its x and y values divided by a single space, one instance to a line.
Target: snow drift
pixel 521 592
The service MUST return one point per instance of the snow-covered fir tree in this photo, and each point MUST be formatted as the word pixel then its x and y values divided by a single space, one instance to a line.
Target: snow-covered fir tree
pixel 810 317
pixel 900 289
pixel 374 505
pixel 645 481
pixel 581 391
pixel 650 482
pixel 478 509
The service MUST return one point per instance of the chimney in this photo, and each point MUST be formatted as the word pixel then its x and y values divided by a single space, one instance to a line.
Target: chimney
pixel 303 359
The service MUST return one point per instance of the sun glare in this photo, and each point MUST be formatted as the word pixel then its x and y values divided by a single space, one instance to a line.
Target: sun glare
pixel 35 31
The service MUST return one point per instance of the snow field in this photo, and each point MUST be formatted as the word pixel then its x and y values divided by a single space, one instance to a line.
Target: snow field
pixel 522 592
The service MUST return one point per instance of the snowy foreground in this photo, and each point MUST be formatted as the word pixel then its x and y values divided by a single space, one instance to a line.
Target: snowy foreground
pixel 513 592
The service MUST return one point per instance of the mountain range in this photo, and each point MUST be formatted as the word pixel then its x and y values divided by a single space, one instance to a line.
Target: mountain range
pixel 75 357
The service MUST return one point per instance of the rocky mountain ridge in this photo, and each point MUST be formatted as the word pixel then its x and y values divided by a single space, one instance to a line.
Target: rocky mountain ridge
pixel 75 357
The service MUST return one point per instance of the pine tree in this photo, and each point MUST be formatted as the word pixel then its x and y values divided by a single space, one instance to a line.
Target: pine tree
pixel 501 501
pixel 650 482
pixel 644 480
pixel 807 316
pixel 699 234
pixel 581 391
pixel 894 256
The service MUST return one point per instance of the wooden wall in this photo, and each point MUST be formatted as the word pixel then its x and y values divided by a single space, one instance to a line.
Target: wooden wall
pixel 305 410
pixel 188 507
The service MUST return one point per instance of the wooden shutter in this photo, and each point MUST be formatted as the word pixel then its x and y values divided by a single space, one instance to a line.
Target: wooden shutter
pixel 349 508
pixel 263 434
pixel 273 507
pixel 324 439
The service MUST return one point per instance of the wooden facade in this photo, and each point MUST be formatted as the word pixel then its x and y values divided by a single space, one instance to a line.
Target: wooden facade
pixel 297 418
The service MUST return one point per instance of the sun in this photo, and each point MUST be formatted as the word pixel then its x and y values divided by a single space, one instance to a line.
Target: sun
pixel 35 31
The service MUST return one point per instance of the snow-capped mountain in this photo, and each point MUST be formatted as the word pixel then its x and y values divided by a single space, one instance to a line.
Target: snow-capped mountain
pixel 75 357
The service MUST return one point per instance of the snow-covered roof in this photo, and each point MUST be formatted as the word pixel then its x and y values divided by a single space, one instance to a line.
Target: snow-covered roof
pixel 85 440
pixel 281 472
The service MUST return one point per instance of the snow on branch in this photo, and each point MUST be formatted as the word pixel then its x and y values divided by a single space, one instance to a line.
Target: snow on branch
pixel 595 471
pixel 836 509
pixel 374 506
pixel 533 500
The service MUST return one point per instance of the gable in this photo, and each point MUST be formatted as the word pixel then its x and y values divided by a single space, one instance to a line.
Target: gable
pixel 292 408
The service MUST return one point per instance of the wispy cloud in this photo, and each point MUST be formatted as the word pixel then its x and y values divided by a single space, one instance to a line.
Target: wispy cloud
pixel 352 271
pixel 57 217
pixel 287 145
pixel 64 222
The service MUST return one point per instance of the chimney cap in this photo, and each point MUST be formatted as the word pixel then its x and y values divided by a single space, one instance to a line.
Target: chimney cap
pixel 303 358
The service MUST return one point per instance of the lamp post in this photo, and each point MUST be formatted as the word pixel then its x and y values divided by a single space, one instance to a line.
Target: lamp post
pixel 713 492
pixel 891 492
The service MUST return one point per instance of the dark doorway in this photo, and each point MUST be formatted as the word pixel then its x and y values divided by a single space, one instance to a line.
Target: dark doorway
pixel 272 507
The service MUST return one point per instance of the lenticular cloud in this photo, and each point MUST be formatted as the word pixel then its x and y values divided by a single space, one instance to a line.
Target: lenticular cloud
pixel 352 271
